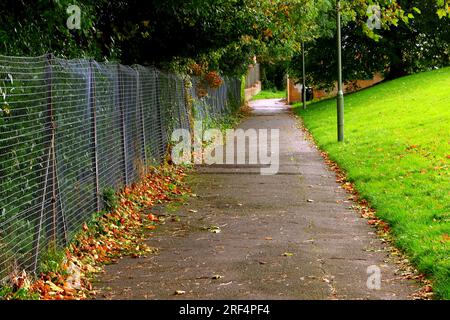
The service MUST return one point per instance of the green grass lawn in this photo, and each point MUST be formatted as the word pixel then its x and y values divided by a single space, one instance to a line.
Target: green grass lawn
pixel 270 94
pixel 397 152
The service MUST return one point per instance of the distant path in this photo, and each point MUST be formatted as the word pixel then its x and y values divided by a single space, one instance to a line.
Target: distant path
pixel 327 246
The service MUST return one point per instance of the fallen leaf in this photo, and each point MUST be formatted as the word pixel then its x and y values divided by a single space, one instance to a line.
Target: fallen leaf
pixel 152 217
pixel 54 287
pixel 288 254
pixel 68 288
pixel 214 229
pixel 428 288
pixel 326 280
pixel 268 238
pixel 115 235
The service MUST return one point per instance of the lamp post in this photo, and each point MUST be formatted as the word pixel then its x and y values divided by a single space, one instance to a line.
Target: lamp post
pixel 304 76
pixel 340 94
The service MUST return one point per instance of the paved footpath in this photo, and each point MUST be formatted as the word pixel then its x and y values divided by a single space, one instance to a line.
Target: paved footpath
pixel 274 243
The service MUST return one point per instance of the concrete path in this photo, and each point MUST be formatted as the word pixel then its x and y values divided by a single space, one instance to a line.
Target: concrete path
pixel 274 242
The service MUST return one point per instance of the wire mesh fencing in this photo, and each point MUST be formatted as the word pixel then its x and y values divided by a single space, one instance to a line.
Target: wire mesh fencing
pixel 216 104
pixel 71 129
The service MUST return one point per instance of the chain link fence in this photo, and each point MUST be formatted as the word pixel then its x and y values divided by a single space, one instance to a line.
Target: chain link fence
pixel 71 129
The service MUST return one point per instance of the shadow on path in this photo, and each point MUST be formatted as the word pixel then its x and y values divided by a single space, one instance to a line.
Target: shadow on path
pixel 274 242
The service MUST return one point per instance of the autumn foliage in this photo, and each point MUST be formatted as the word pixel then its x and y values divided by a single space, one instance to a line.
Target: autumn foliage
pixel 205 79
pixel 119 232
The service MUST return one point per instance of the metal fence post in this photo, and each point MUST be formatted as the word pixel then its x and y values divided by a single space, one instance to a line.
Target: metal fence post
pixel 185 104
pixel 51 232
pixel 180 116
pixel 49 171
pixel 37 234
pixel 160 115
pixel 140 106
pixel 122 124
pixel 94 142
pixel 71 160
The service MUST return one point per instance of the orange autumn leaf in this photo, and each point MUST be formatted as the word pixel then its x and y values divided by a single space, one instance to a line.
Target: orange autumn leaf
pixel 109 238
pixel 152 217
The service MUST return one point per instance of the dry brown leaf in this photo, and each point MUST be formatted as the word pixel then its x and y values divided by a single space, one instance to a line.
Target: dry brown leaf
pixel 179 292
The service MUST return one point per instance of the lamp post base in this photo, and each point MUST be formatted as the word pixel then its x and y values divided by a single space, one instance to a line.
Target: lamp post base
pixel 340 114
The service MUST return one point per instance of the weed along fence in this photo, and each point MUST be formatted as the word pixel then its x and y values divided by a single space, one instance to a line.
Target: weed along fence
pixel 71 129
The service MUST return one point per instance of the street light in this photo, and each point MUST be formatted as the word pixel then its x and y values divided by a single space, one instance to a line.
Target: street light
pixel 340 94
pixel 304 80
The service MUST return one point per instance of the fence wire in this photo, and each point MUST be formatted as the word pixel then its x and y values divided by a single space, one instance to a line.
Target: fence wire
pixel 71 129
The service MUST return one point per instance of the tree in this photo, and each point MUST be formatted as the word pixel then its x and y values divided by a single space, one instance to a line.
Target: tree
pixel 160 31
pixel 412 40
pixel 173 33
pixel 420 45
pixel 31 28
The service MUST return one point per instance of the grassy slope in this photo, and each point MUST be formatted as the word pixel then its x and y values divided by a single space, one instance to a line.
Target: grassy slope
pixel 397 152
pixel 270 94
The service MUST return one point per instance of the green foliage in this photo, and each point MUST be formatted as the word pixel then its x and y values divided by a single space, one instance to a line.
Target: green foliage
pixel 22 153
pixel 397 154
pixel 110 199
pixel 362 57
pixel 52 261
pixel 7 293
pixel 242 102
pixel 31 28
pixel 162 30
pixel 227 33
pixel 273 75
pixel 422 44
pixel 413 39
